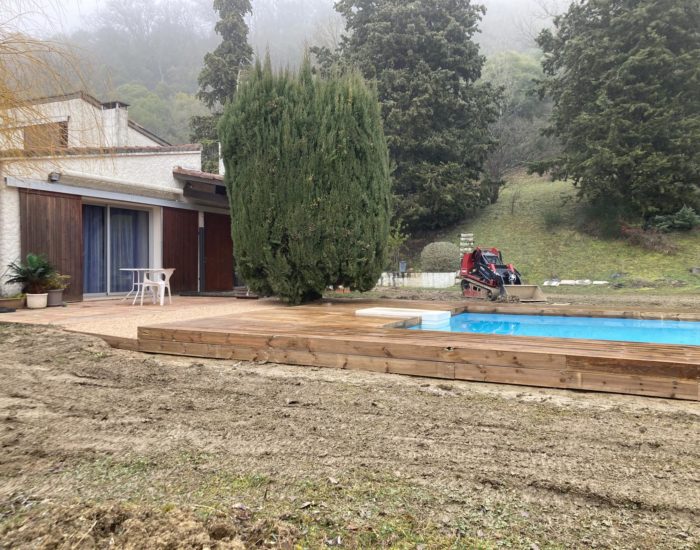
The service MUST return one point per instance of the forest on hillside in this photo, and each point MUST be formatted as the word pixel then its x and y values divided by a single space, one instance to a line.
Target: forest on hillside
pixel 149 54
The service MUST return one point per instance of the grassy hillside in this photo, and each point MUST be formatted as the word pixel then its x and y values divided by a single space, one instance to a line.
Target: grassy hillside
pixel 541 253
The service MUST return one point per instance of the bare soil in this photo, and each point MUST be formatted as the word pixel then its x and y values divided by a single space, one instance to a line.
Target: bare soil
pixel 102 448
pixel 608 298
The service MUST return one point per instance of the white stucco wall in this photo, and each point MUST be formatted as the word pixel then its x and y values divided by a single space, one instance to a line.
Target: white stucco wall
pixel 137 139
pixel 418 280
pixel 9 233
pixel 85 126
pixel 153 169
pixel 88 124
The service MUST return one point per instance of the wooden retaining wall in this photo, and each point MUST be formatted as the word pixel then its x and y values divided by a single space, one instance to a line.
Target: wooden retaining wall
pixel 327 337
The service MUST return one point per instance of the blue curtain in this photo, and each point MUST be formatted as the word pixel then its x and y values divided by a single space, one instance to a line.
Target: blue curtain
pixel 128 237
pixel 94 257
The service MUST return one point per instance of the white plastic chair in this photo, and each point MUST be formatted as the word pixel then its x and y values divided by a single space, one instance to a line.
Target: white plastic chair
pixel 158 280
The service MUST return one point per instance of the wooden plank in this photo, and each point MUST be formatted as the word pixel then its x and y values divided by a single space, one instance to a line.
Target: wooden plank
pixel 577 311
pixel 51 224
pixel 634 385
pixel 218 252
pixel 511 375
pixel 181 247
pixel 632 367
pixel 475 355
pixel 376 349
pixel 605 382
pixel 304 358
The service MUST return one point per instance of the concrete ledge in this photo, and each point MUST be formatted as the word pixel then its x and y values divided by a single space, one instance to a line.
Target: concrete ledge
pixel 429 318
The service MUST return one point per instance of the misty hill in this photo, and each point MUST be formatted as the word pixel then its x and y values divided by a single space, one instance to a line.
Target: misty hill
pixel 149 53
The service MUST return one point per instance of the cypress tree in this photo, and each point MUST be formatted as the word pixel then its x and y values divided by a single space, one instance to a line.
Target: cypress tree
pixel 217 81
pixel 307 172
pixel 219 76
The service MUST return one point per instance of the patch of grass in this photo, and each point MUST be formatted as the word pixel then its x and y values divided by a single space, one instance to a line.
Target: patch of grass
pixel 226 484
pixel 552 218
pixel 364 509
pixel 107 471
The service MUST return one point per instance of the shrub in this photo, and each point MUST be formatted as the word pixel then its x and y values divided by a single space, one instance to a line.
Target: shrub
pixel 683 220
pixel 490 189
pixel 307 172
pixel 602 219
pixel 552 217
pixel 649 239
pixel 440 257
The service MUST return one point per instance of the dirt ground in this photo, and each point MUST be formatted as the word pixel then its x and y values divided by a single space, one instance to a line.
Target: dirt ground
pixel 608 298
pixel 102 448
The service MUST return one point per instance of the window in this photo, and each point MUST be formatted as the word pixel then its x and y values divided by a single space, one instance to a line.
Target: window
pixel 53 135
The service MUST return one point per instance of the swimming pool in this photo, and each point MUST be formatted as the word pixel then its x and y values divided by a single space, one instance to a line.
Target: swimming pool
pixel 589 328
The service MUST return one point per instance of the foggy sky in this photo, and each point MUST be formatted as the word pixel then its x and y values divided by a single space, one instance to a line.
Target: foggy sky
pixel 69 15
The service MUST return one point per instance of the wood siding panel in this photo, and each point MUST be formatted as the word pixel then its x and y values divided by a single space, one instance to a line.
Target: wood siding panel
pixel 180 247
pixel 218 252
pixel 52 224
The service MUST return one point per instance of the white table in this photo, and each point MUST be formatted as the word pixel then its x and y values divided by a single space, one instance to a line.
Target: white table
pixel 138 276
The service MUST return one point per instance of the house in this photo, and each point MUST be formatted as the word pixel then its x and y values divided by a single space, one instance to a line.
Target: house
pixel 96 192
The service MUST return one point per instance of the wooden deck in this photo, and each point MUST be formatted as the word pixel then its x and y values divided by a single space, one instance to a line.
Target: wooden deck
pixel 330 335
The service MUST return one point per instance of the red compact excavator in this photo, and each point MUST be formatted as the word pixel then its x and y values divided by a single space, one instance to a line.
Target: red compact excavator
pixel 485 275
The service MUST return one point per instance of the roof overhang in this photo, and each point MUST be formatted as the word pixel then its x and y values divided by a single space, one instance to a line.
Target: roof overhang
pixel 113 197
pixel 202 187
pixel 119 185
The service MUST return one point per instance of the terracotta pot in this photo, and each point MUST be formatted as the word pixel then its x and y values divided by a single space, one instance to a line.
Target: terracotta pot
pixel 12 303
pixel 55 298
pixel 37 301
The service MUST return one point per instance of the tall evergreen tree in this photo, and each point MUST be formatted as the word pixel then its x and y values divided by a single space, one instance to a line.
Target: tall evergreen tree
pixel 436 115
pixel 219 77
pixel 625 79
pixel 307 171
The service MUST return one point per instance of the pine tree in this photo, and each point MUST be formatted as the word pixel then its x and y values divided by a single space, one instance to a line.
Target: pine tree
pixel 436 115
pixel 624 77
pixel 307 171
pixel 219 76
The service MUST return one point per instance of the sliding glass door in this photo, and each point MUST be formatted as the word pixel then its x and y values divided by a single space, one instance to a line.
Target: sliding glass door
pixel 94 249
pixel 128 245
pixel 113 238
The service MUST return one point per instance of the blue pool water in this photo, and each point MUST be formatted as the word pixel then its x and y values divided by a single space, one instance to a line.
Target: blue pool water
pixel 590 328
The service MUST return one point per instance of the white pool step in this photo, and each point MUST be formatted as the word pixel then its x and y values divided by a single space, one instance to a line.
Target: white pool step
pixel 430 318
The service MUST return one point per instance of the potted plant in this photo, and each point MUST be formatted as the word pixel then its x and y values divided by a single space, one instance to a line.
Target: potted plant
pixel 55 285
pixel 10 303
pixel 33 275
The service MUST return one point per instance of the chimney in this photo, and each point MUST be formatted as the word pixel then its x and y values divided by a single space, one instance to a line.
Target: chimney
pixel 115 117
